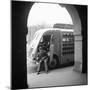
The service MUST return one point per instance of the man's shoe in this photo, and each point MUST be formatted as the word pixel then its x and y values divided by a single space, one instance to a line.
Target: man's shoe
pixel 38 73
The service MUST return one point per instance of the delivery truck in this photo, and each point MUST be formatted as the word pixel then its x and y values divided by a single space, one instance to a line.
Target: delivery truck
pixel 59 43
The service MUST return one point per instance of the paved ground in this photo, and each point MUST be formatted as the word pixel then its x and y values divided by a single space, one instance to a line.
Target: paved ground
pixel 58 77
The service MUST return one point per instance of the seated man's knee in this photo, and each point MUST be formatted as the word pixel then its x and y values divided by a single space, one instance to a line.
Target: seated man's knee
pixel 45 60
pixel 40 61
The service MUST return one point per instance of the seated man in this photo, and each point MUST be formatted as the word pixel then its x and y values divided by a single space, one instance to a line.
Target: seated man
pixel 42 57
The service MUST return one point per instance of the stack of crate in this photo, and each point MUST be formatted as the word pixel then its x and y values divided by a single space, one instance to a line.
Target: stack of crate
pixel 67 47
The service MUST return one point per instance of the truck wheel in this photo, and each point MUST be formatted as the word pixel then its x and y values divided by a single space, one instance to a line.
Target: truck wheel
pixel 53 63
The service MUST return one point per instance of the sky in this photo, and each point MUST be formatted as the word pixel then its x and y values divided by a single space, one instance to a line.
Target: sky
pixel 46 13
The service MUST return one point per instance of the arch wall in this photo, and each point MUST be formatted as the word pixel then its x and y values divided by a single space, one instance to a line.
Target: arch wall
pixel 77 34
pixel 19 31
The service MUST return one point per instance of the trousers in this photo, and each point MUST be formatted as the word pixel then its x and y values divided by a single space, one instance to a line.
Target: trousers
pixel 45 65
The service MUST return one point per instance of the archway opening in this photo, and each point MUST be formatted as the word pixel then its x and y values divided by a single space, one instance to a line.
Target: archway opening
pixel 46 15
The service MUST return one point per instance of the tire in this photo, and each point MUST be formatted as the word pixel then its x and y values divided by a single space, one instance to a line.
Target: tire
pixel 53 63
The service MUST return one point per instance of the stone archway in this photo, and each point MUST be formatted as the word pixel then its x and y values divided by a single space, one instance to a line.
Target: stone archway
pixel 19 15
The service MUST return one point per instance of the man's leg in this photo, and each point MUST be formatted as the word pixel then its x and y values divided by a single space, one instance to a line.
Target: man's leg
pixel 46 66
pixel 38 69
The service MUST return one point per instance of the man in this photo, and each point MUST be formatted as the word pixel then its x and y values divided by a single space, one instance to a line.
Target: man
pixel 42 57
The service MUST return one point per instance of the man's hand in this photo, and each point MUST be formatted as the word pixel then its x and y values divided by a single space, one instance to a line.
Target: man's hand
pixel 48 53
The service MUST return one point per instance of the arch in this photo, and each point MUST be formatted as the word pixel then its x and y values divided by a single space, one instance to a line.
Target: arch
pixel 20 12
pixel 75 18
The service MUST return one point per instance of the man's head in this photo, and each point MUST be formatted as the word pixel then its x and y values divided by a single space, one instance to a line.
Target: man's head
pixel 40 48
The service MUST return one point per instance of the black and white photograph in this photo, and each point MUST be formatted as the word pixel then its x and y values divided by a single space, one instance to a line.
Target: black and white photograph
pixel 49 44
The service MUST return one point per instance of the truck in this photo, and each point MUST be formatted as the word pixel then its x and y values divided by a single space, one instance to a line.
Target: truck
pixel 60 46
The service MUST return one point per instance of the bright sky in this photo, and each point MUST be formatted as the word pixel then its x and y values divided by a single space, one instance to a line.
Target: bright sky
pixel 49 14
